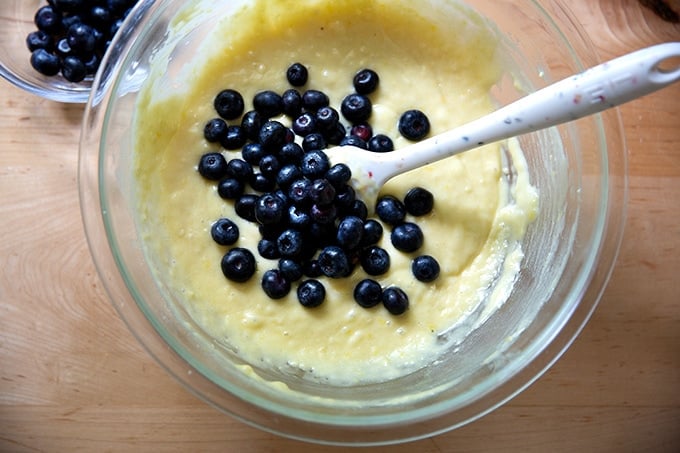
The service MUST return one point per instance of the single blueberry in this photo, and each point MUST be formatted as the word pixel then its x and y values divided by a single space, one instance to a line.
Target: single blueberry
pixel 267 249
pixel 323 214
pixel 362 130
pixel 299 218
pixel 240 169
pixel 73 69
pixel 230 188
pixel 63 48
pixel 268 103
pixel 39 40
pixel 290 269
pixel 290 243
pixel 45 62
pixel 224 231
pixel 234 138
pixel 335 135
pixel 375 260
pixel 48 20
pixel 327 118
pixel 313 100
pixel 304 124
pixel 311 293
pixel 314 141
pixel 419 201
pixel 373 231
pixel 407 237
pixel 81 38
pixel 291 153
pixel 238 264
pixel 368 293
pixel 380 143
pixel 297 74
pixel 292 102
pixel 269 166
pixel 229 104
pixel 345 197
pixel 339 175
pixel 100 16
pixel 356 108
pixel 300 191
pixel 366 81
pixel 425 268
pixel 334 262
pixel 272 136
pixel 245 207
pixel 314 164
pixel 251 123
pixel 414 125
pixel 92 64
pixel 269 209
pixel 274 284
pixel 252 153
pixel 358 209
pixel 287 175
pixel 322 192
pixel 212 166
pixel 312 269
pixel 395 300
pixel 350 232
pixel 390 210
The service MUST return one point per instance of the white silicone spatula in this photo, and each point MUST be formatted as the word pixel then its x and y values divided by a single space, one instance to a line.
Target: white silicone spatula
pixel 604 86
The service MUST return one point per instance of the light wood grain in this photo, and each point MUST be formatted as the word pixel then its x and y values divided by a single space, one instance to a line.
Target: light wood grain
pixel 72 378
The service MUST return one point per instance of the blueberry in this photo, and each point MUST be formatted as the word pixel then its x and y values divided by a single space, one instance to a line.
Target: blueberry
pixel 297 74
pixel 395 300
pixel 418 201
pixel 368 293
pixel 72 19
pixel 314 141
pixel 81 38
pixel 292 102
pixel 356 108
pixel 230 188
pixel 300 191
pixel 354 140
pixel 350 232
pixel 45 62
pixel 251 123
pixel 304 124
pixel 271 231
pixel 335 135
pixel 252 153
pixel 212 166
pixel 239 169
pixel 234 138
pixel 290 269
pixel 291 153
pixel 322 192
pixel 380 143
pixel 314 164
pixel 39 40
pixel 407 237
pixel 272 136
pixel 425 268
pixel 92 64
pixel 245 207
pixel 70 6
pixel 298 218
pixel 267 249
pixel 366 81
pixel 375 260
pixel 269 166
pixel 275 284
pixel 345 197
pixel 64 48
pixel 224 232
pixel 312 269
pixel 327 118
pixel 358 209
pixel 313 100
pixel 363 130
pixel 100 16
pixel 269 209
pixel 338 175
pixel 238 264
pixel 414 125
pixel 229 104
pixel 311 293
pixel 48 20
pixel 73 69
pixel 287 175
pixel 390 210
pixel 372 233
pixel 323 214
pixel 334 262
pixel 268 103
pixel 115 26
pixel 290 243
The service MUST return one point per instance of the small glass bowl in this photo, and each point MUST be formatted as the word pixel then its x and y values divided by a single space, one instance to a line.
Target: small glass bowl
pixel 570 250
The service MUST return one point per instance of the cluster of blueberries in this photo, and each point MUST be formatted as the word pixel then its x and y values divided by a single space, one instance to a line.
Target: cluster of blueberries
pixel 309 216
pixel 73 35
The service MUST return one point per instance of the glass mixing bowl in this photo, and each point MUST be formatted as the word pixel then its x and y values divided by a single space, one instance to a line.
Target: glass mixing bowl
pixel 579 170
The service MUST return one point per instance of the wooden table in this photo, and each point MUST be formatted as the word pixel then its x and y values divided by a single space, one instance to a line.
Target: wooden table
pixel 73 378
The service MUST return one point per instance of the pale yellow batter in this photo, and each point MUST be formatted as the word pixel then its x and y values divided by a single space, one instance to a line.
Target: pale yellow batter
pixel 473 231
